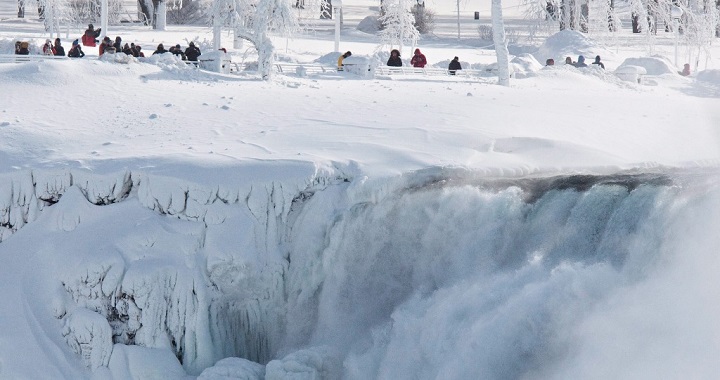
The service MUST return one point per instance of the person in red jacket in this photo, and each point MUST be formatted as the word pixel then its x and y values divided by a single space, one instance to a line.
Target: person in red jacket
pixel 418 60
pixel 89 38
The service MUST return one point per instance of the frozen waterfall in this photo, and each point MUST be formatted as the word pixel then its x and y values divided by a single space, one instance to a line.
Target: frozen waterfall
pixel 435 274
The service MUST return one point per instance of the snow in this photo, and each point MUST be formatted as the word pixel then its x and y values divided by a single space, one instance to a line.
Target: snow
pixel 160 221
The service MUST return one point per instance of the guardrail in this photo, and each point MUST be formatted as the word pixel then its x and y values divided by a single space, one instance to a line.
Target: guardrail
pixel 430 71
pixel 309 68
pixel 17 58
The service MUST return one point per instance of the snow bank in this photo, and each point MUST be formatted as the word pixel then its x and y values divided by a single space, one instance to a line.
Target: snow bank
pixel 569 43
pixel 709 76
pixel 234 369
pixel 656 65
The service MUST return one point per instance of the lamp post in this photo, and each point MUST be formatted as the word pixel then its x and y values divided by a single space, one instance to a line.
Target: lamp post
pixel 337 9
pixel 676 12
pixel 458 18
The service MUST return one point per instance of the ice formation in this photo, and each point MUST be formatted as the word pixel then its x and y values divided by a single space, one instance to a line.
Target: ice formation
pixel 328 276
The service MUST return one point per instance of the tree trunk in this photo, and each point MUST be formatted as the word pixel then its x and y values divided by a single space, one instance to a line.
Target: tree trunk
pixel 161 16
pixel 501 49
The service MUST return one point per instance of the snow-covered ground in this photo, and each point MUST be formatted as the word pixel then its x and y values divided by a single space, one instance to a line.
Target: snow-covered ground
pixel 158 221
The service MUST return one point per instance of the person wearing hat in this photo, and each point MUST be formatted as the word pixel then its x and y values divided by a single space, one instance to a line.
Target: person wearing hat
pixel 48 49
pixel 418 60
pixel 454 66
pixel 580 62
pixel 76 50
pixel 106 46
pixel 597 62
pixel 192 52
pixel 24 48
pixel 91 35
pixel 58 48
pixel 394 59
pixel 160 50
pixel 342 58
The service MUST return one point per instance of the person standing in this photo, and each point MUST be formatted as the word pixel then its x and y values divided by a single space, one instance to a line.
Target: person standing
pixel 394 59
pixel 192 52
pixel 454 66
pixel 418 60
pixel 341 59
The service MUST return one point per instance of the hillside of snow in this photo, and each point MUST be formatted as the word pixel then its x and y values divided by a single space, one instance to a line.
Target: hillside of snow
pixel 159 221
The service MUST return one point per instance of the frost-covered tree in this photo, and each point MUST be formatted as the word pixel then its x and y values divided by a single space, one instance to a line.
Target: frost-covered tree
pixel 501 49
pixel 253 20
pixel 54 13
pixel 398 24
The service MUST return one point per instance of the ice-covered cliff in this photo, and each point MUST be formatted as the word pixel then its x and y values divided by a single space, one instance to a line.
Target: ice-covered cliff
pixel 436 273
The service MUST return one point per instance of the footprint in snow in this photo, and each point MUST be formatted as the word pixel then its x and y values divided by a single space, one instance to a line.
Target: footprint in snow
pixel 225 107
pixel 4 124
pixel 154 116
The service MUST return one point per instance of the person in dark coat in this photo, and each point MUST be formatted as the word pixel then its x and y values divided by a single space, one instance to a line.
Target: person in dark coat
pixel 24 48
pixel 454 66
pixel 137 52
pixel 76 50
pixel 58 48
pixel 118 44
pixel 177 50
pixel 91 35
pixel 192 52
pixel 580 62
pixel 418 60
pixel 597 62
pixel 686 70
pixel 106 46
pixel 127 50
pixel 394 59
pixel 160 49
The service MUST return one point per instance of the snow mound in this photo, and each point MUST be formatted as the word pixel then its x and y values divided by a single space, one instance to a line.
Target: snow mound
pixel 709 76
pixel 142 363
pixel 234 369
pixel 329 58
pixel 569 43
pixel 525 63
pixel 308 364
pixel 118 58
pixel 369 24
pixel 655 65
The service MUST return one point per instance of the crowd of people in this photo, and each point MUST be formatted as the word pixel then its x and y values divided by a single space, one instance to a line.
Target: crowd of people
pixel 580 63
pixel 192 52
pixel 90 38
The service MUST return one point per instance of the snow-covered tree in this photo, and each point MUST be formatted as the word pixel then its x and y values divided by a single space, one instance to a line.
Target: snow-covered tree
pixel 398 24
pixel 54 13
pixel 253 20
pixel 501 49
